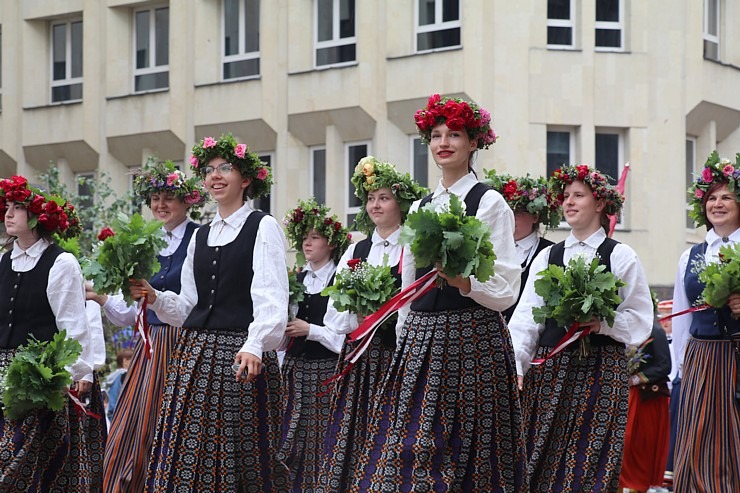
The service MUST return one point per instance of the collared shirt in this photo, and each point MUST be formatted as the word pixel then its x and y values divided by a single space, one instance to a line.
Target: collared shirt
pixel 682 324
pixel 174 238
pixel 315 281
pixel 66 294
pixel 526 246
pixel 346 322
pixel 633 319
pixel 502 289
pixel 269 290
pixel 97 335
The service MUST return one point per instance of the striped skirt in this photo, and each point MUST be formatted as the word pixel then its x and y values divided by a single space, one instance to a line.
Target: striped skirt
pixel 448 418
pixel 575 414
pixel 351 401
pixel 97 434
pixel 305 417
pixel 708 444
pixel 217 434
pixel 46 452
pixel 135 418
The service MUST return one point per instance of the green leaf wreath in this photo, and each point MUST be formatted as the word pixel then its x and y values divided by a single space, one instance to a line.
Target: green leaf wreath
pixel 460 244
pixel 37 377
pixel 362 288
pixel 722 278
pixel 129 253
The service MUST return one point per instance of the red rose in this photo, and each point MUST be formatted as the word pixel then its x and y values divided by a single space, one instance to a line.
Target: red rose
pixel 451 109
pixel 52 207
pixel 510 189
pixel 455 123
pixel 353 263
pixel 337 226
pixel 50 222
pixel 434 99
pixel 466 113
pixel 20 195
pixel 105 233
pixel 582 171
pixel 37 205
pixel 63 222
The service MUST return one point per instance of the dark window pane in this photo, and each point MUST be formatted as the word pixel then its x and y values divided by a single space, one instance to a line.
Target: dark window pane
pixel 243 68
pixel 351 221
pixel 263 203
pixel 335 54
pixel 231 27
pixel 252 26
pixel 142 39
pixel 76 49
pixel 162 35
pixel 558 150
pixel 607 155
pixel 59 55
pixel 72 92
pixel 319 175
pixel 712 17
pixel 438 39
pixel 151 82
pixel 711 50
pixel 325 20
pixel 1 61
pixel 609 38
pixel 346 18
pixel 689 175
pixel 356 152
pixel 421 169
pixel 426 12
pixel 450 10
pixel 559 36
pixel 558 9
pixel 607 10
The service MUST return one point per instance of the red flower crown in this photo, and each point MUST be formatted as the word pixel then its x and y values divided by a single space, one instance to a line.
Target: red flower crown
pixel 598 183
pixel 458 114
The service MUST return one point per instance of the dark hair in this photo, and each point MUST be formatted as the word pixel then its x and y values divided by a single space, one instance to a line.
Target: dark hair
pixel 122 355
pixel 471 159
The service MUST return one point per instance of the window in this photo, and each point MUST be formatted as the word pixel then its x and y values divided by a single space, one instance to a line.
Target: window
pixel 690 174
pixel 353 152
pixel 152 38
pixel 608 154
pixel 419 161
pixel 560 149
pixel 560 23
pixel 66 61
pixel 265 203
pixel 609 25
pixel 241 38
pixel 85 194
pixel 711 29
pixel 335 32
pixel 318 174
pixel 437 24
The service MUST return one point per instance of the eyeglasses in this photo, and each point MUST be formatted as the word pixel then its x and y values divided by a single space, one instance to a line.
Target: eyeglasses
pixel 223 169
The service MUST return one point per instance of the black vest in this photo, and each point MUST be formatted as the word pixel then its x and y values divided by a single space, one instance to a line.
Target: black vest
pixel 24 305
pixel 541 245
pixel 387 330
pixel 449 298
pixel 223 278
pixel 552 333
pixel 312 309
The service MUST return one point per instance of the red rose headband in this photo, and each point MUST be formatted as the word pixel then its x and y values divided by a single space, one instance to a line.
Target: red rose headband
pixel 457 114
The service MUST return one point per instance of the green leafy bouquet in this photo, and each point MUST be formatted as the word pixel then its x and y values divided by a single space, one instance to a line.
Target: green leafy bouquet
pixel 460 244
pixel 722 278
pixel 579 292
pixel 296 292
pixel 128 251
pixel 37 377
pixel 362 288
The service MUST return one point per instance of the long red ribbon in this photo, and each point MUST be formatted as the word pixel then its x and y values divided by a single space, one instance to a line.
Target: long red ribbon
pixel 142 326
pixel 620 188
pixel 697 308
pixel 81 408
pixel 569 338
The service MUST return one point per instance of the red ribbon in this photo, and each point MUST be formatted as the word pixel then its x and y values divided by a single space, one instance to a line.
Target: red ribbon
pixel 81 408
pixel 142 326
pixel 697 308
pixel 569 338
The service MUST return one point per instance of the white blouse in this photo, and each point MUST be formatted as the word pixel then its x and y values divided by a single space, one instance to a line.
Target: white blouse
pixel 346 322
pixel 315 282
pixel 269 290
pixel 633 319
pixel 95 319
pixel 502 289
pixel 66 294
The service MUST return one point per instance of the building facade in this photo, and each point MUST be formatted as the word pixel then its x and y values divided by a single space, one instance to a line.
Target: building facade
pixel 313 85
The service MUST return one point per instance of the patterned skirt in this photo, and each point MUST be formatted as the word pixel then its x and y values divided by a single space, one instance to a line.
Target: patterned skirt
pixel 448 419
pixel 135 418
pixel 217 434
pixel 645 441
pixel 305 417
pixel 351 400
pixel 97 435
pixel 46 451
pixel 575 414
pixel 708 445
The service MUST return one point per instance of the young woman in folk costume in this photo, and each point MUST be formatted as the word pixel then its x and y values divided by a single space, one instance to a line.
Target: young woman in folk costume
pixel 171 196
pixel 532 205
pixel 311 356
pixel 448 416
pixel 386 196
pixel 707 454
pixel 42 293
pixel 586 395
pixel 218 430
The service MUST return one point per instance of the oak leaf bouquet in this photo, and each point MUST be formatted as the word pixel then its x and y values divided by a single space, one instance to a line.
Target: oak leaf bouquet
pixel 578 293
pixel 37 376
pixel 722 278
pixel 127 250
pixel 459 244
pixel 296 293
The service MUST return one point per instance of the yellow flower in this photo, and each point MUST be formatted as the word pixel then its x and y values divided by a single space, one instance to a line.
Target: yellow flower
pixel 370 179
pixel 366 166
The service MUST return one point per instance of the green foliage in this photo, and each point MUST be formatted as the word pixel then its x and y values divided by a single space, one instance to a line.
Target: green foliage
pixel 722 278
pixel 460 244
pixel 362 288
pixel 296 290
pixel 37 378
pixel 636 357
pixel 130 254
pixel 580 292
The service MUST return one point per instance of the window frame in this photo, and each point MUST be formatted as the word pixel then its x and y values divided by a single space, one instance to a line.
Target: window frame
pixel 152 69
pixel 569 23
pixel 336 40
pixel 620 132
pixel 706 36
pixel 612 26
pixel 312 172
pixel 256 202
pixel 690 162
pixel 436 26
pixel 571 131
pixel 412 160
pixel 68 80
pixel 242 55
pixel 350 170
